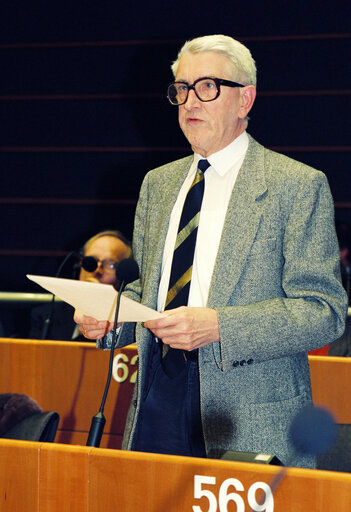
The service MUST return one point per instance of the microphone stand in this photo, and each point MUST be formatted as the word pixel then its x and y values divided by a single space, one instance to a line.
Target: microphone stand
pixel 47 320
pixel 98 421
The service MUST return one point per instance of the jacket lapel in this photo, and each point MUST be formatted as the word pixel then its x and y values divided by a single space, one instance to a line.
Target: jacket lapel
pixel 162 203
pixel 240 226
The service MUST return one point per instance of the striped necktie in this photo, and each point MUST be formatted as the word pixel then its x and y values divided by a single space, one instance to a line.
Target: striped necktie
pixel 182 263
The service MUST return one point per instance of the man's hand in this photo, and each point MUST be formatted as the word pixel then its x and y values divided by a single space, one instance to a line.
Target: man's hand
pixel 186 328
pixel 90 327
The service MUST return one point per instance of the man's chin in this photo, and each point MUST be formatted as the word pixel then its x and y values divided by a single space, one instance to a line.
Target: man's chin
pixel 198 144
pixel 199 149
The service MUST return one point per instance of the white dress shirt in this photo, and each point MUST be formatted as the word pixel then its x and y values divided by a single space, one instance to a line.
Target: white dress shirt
pixel 220 178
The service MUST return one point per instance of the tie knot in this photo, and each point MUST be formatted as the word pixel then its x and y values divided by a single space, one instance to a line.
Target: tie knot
pixel 203 165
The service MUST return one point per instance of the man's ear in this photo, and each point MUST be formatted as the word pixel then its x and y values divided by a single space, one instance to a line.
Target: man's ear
pixel 248 96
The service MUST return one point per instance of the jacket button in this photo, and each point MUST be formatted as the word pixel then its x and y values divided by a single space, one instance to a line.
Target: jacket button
pixel 242 362
pixel 236 363
pixel 134 403
pixel 250 361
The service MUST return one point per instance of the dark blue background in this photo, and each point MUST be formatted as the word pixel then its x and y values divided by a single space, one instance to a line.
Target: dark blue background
pixel 84 114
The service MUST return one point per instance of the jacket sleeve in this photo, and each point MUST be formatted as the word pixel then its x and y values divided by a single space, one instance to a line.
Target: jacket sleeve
pixel 311 310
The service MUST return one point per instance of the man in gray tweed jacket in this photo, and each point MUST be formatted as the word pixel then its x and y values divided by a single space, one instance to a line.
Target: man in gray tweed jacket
pixel 265 286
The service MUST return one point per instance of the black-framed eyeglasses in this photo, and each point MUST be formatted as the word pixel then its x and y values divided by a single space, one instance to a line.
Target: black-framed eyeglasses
pixel 90 264
pixel 206 89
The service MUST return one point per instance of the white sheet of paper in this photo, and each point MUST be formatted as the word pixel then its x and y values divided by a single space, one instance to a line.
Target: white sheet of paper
pixel 95 299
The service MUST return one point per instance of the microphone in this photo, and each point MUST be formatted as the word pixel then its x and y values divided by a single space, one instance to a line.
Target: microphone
pixel 312 432
pixel 127 271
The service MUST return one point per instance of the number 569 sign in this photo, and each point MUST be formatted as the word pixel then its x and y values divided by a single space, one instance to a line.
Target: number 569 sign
pixel 229 493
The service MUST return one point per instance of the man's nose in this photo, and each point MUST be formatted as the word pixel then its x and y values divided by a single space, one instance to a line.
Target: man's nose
pixel 99 269
pixel 192 100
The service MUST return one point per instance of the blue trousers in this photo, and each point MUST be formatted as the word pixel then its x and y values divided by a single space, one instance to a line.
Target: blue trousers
pixel 170 420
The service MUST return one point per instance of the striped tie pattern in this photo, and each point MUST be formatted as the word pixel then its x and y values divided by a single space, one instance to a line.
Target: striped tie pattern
pixel 182 263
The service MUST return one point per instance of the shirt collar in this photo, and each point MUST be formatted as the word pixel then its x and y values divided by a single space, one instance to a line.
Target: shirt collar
pixel 227 157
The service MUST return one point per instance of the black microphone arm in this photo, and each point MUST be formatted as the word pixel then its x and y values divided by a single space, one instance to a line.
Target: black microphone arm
pixel 98 421
pixel 126 271
pixel 48 319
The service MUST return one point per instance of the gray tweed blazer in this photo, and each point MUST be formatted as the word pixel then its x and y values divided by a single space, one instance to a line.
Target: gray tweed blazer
pixel 276 288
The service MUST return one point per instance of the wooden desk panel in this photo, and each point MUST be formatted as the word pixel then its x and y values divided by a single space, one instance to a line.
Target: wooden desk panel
pixel 63 478
pixel 150 482
pixel 26 363
pixel 84 479
pixel 4 365
pixel 331 385
pixel 108 439
pixel 70 378
pixel 19 472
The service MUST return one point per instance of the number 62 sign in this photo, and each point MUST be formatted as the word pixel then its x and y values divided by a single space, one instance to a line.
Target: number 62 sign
pixel 121 370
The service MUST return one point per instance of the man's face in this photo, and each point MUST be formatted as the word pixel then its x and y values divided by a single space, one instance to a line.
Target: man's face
pixel 211 126
pixel 104 249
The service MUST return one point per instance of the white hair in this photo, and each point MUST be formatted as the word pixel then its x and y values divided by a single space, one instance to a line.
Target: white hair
pixel 244 68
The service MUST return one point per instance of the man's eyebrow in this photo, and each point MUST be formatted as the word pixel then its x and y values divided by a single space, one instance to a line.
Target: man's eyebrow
pixel 199 78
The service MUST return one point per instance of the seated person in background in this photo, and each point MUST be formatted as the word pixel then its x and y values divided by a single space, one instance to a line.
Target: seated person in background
pixel 99 258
